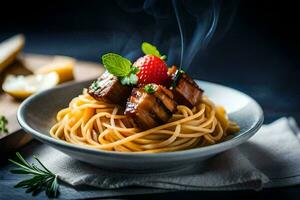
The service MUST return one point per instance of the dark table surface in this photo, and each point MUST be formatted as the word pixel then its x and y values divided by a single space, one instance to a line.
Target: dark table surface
pixel 259 55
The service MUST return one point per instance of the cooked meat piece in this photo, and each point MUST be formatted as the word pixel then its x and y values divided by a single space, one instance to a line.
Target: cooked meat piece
pixel 166 97
pixel 185 89
pixel 150 110
pixel 108 88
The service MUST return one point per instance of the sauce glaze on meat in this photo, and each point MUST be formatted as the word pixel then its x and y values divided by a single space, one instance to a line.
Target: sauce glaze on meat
pixel 150 110
pixel 185 90
pixel 108 88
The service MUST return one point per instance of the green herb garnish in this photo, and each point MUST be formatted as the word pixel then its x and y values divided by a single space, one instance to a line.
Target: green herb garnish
pixel 42 178
pixel 177 75
pixel 3 123
pixel 132 79
pixel 95 85
pixel 150 49
pixel 116 64
pixel 120 67
pixel 150 88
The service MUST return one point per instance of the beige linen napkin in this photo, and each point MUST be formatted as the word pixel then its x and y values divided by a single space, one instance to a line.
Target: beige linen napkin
pixel 270 158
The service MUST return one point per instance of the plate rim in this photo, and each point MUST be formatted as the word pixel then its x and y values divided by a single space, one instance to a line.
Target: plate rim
pixel 195 152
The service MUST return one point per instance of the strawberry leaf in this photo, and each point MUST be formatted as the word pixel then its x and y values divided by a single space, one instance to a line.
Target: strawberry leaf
pixel 150 49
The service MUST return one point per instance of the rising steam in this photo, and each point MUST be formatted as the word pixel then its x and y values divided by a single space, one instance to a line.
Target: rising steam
pixel 182 28
pixel 206 23
pixel 178 19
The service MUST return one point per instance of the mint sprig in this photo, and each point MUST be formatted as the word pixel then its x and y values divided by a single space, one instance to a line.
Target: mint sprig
pixel 150 49
pixel 132 79
pixel 120 67
pixel 116 64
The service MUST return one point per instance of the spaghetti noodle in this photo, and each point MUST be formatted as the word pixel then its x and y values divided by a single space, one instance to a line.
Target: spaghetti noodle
pixel 101 125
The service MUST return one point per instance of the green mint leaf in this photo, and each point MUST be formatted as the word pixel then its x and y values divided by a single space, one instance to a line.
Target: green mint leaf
pixel 135 70
pixel 125 80
pixel 149 49
pixel 150 88
pixel 116 64
pixel 133 79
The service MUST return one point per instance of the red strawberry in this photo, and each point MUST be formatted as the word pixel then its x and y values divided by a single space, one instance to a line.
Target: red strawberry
pixel 152 70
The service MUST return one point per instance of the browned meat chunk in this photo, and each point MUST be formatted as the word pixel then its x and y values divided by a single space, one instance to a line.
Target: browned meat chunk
pixel 185 89
pixel 150 110
pixel 108 88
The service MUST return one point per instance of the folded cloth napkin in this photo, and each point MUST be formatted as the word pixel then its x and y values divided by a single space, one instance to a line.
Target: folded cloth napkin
pixel 270 158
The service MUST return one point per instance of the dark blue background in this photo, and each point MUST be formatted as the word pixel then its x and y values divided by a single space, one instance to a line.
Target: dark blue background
pixel 259 54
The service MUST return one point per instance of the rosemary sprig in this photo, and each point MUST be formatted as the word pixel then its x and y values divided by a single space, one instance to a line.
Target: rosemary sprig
pixel 42 178
pixel 3 123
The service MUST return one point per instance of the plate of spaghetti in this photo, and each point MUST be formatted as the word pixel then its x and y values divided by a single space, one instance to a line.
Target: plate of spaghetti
pixel 141 116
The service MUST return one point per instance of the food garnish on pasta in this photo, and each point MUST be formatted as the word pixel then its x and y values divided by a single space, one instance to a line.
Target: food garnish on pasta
pixel 142 107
